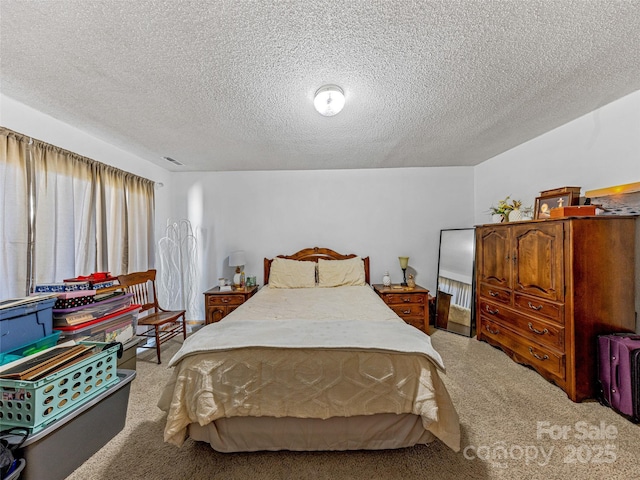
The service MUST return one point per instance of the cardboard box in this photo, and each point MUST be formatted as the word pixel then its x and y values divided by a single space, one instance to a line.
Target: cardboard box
pixel 573 211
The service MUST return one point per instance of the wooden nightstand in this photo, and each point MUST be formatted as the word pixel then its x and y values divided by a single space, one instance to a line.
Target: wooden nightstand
pixel 412 305
pixel 218 305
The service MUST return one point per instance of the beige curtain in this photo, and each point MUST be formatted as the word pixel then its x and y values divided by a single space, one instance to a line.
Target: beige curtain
pixel 87 216
pixel 14 214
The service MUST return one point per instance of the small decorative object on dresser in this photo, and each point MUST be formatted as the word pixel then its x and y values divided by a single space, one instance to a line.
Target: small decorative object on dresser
pixel 237 259
pixel 411 282
pixel 520 213
pixel 546 290
pixel 573 211
pixel 410 305
pixel 386 280
pixel 218 304
pixel 509 211
pixel 558 197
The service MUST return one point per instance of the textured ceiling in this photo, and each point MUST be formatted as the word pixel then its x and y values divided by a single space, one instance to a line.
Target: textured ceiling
pixel 229 84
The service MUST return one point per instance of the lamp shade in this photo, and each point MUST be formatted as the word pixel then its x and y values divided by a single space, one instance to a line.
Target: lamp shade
pixel 404 262
pixel 329 100
pixel 237 258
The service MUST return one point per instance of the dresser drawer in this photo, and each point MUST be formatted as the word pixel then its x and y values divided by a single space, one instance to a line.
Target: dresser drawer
pixel 528 352
pixel 399 298
pixel 225 299
pixel 495 311
pixel 534 329
pixel 411 310
pixel 495 294
pixel 536 306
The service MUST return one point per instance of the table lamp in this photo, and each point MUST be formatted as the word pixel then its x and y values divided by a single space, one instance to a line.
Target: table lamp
pixel 238 260
pixel 404 263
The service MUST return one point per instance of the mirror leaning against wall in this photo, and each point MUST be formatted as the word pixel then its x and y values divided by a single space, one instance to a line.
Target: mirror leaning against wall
pixel 455 306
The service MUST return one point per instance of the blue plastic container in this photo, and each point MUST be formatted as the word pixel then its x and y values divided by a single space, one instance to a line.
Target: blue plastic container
pixel 26 323
pixel 30 348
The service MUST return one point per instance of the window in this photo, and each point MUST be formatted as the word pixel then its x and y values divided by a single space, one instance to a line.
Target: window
pixel 65 215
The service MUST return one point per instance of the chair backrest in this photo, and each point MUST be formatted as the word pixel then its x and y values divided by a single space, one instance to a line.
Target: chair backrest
pixel 143 287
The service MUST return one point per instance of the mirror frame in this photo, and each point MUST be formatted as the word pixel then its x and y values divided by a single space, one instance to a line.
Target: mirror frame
pixel 472 326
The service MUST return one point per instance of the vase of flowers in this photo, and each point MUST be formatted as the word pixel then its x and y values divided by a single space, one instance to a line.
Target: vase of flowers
pixel 500 214
pixel 509 211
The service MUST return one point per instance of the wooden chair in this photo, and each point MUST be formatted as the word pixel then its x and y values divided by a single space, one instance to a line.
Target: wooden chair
pixel 163 324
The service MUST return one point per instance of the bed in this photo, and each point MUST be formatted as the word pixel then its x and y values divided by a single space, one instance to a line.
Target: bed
pixel 314 361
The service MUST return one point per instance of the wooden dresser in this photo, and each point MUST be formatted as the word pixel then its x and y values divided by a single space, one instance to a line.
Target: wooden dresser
pixel 545 289
pixel 218 305
pixel 410 305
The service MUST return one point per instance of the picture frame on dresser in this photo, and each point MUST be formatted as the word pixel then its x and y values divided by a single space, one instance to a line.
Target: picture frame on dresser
pixel 545 203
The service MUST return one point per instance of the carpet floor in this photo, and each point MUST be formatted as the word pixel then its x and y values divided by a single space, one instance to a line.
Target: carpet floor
pixel 515 425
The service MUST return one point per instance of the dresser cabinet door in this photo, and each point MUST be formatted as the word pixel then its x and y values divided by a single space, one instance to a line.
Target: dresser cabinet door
pixel 538 260
pixel 214 314
pixel 494 257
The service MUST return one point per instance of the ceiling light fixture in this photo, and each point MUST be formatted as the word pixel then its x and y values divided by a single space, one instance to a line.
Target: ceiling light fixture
pixel 329 100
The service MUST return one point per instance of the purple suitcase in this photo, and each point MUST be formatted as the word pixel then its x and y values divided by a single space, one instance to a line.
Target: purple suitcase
pixel 619 373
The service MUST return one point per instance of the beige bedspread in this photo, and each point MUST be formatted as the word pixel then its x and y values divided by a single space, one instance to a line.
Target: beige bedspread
pixel 308 353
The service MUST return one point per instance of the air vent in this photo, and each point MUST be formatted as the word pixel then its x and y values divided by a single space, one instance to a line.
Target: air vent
pixel 175 162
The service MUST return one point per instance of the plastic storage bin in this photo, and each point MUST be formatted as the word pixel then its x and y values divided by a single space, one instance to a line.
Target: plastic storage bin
pixel 36 404
pixel 63 446
pixel 25 323
pixel 97 309
pixel 30 348
pixel 129 357
pixel 117 327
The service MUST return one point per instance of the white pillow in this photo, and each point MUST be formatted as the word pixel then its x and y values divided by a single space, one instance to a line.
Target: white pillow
pixel 336 273
pixel 286 273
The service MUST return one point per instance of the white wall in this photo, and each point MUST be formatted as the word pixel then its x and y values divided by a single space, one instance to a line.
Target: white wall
pixel 27 121
pixel 382 213
pixel 600 149
pixel 597 150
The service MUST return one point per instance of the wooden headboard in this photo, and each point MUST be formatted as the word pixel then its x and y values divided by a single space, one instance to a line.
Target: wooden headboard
pixel 312 255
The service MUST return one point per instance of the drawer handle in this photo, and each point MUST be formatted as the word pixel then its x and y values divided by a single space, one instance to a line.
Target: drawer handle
pixel 492 312
pixel 225 300
pixel 406 312
pixel 406 299
pixel 539 307
pixel 539 332
pixel 496 332
pixel 544 357
pixel 494 294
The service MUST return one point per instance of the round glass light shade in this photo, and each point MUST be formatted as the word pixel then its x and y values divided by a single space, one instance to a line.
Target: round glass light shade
pixel 404 262
pixel 329 100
